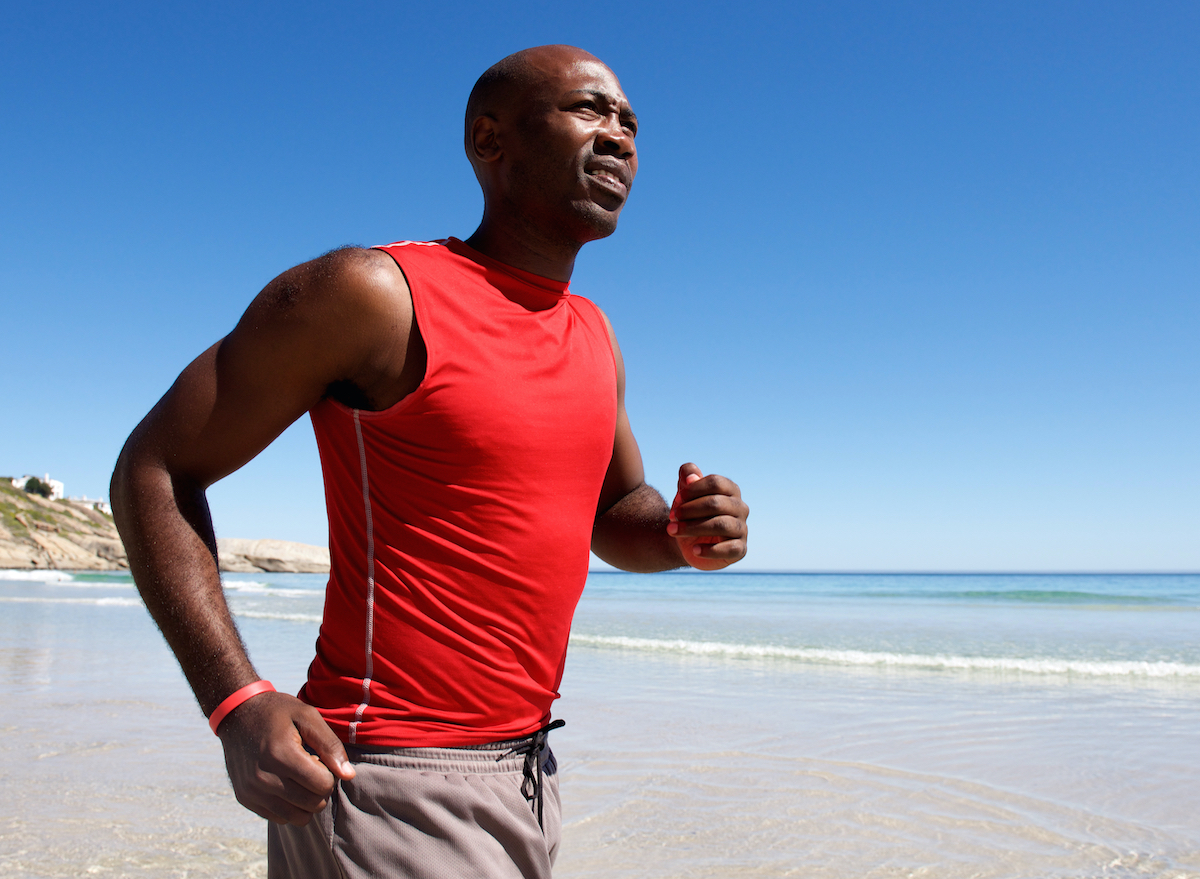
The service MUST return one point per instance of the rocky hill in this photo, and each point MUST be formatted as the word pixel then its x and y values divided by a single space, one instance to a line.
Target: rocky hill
pixel 37 533
pixel 276 556
pixel 67 535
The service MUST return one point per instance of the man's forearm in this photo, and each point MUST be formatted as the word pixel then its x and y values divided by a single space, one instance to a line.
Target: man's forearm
pixel 168 536
pixel 270 740
pixel 632 534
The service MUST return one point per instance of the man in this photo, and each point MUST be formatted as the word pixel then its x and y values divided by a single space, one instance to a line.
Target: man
pixel 470 415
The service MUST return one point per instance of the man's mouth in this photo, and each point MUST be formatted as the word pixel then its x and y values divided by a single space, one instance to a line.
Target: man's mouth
pixel 613 178
pixel 608 177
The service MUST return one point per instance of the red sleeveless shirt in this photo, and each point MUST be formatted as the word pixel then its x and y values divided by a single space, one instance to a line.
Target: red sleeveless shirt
pixel 460 518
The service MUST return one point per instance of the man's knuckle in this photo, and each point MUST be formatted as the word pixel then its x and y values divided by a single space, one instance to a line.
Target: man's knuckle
pixel 730 526
pixel 265 779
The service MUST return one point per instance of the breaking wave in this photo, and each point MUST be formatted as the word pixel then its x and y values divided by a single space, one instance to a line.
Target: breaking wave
pixel 256 587
pixel 42 576
pixel 880 659
pixel 98 602
pixel 268 615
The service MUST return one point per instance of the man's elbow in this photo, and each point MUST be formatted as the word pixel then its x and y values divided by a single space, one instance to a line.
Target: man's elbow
pixel 120 490
pixel 133 475
pixel 120 474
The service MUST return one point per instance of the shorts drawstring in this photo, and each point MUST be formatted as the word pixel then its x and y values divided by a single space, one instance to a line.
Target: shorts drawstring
pixel 531 748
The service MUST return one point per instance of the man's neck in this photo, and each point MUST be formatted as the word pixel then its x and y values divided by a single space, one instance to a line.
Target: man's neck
pixel 528 252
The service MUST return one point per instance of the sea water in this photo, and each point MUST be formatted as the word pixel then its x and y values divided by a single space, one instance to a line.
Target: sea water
pixel 885 725
pixel 726 725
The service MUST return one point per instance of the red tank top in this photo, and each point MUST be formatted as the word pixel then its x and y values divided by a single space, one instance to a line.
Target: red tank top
pixel 460 518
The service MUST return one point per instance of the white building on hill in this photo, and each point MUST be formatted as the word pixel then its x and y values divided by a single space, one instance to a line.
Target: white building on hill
pixel 57 489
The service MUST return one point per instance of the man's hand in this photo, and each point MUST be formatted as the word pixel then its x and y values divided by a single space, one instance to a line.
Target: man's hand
pixel 708 519
pixel 273 774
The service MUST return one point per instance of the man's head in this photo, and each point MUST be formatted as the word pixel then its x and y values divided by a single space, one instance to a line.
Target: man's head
pixel 550 135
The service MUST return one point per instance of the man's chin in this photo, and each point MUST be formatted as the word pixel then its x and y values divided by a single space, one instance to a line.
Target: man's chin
pixel 598 221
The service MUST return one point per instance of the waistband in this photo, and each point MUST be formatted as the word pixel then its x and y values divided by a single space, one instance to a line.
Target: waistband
pixel 527 756
pixel 468 761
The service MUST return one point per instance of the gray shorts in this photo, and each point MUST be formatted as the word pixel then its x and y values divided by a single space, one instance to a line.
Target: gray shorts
pixel 427 813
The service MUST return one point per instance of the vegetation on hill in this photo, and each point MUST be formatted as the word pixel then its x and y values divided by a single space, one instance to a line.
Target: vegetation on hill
pixel 33 485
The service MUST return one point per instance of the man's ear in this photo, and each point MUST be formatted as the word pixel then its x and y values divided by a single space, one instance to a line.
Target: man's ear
pixel 485 139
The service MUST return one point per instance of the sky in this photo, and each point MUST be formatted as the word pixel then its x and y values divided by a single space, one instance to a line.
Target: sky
pixel 923 278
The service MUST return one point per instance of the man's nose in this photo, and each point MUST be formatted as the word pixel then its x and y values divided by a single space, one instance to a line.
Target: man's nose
pixel 615 140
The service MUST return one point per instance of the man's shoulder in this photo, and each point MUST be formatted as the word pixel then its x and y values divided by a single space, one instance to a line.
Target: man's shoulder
pixel 356 272
pixel 351 262
pixel 347 284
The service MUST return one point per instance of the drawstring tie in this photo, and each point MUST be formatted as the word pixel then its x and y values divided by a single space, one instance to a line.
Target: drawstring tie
pixel 531 748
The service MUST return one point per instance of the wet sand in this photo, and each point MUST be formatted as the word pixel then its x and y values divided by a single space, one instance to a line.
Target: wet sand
pixel 672 766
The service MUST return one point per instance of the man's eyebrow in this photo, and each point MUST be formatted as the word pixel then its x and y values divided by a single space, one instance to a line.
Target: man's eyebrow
pixel 601 95
pixel 627 113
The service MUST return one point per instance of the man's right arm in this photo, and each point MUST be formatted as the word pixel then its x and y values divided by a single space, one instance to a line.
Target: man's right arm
pixel 345 318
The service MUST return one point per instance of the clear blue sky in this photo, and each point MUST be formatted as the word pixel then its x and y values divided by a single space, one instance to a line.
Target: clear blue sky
pixel 923 277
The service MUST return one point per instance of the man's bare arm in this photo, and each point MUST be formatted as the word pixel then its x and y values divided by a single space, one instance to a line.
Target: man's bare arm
pixel 345 318
pixel 635 530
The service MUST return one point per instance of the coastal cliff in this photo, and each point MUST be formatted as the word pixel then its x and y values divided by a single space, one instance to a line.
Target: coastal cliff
pixel 38 533
pixel 74 536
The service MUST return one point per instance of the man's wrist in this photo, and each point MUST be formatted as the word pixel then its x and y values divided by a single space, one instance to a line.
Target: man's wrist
pixel 236 698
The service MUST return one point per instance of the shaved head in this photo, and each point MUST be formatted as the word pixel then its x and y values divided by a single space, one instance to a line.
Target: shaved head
pixel 511 80
pixel 550 136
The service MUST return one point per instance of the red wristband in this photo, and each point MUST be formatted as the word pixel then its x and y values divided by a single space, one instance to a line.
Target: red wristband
pixel 236 698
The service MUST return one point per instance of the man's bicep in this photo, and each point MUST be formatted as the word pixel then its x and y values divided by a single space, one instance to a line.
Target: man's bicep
pixel 312 326
pixel 625 470
pixel 224 409
pixel 630 528
pixel 210 422
pixel 631 517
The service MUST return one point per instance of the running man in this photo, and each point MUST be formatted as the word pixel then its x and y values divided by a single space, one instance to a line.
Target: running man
pixel 469 411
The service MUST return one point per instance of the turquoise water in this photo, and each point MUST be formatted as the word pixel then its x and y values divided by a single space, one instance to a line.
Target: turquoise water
pixel 725 725
pixel 1097 625
pixel 1111 626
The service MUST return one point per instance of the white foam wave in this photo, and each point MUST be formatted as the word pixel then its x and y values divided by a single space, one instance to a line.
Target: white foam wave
pixel 255 587
pixel 100 602
pixel 245 585
pixel 93 584
pixel 42 576
pixel 1023 665
pixel 290 617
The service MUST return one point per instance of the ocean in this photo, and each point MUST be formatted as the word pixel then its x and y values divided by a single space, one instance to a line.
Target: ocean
pixel 718 725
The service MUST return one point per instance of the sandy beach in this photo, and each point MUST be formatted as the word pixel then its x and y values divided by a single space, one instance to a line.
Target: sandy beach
pixel 674 763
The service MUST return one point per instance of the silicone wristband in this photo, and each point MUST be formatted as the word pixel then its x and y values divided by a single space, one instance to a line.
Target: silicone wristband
pixel 236 698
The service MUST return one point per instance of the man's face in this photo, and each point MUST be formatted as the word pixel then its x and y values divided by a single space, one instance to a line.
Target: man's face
pixel 572 157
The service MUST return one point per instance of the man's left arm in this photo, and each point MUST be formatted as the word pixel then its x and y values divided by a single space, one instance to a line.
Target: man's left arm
pixel 635 530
